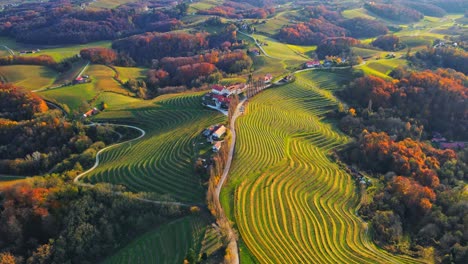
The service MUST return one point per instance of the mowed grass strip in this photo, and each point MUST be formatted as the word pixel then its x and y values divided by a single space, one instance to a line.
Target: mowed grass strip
pixel 162 161
pixel 169 243
pixel 292 204
pixel 30 77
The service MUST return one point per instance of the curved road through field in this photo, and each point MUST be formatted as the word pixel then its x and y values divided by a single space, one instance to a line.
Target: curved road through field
pixel 96 164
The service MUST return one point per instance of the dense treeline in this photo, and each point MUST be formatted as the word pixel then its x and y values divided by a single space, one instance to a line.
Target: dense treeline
pixel 193 71
pixel 44 60
pixel 59 22
pixel 336 47
pixel 320 23
pixel 99 55
pixel 17 104
pixel 240 9
pixel 34 140
pixel 363 28
pixel 451 6
pixel 419 204
pixel 47 220
pixel 422 195
pixel 437 99
pixel 445 57
pixel 388 43
pixel 394 12
pixel 321 12
pixel 310 33
pixel 146 47
pixel 426 9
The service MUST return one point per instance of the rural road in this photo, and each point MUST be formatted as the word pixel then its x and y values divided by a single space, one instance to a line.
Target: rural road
pixel 8 49
pixel 232 246
pixel 258 45
pixel 96 164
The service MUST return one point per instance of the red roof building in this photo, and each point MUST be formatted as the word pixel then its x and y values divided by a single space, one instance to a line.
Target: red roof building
pixel 311 64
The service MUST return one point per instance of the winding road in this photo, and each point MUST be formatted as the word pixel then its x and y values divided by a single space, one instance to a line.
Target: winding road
pixel 96 164
pixel 232 245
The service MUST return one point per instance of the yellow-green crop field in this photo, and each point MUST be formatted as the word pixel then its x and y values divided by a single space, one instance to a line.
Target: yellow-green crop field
pixel 162 161
pixel 31 77
pixel 290 202
pixel 167 244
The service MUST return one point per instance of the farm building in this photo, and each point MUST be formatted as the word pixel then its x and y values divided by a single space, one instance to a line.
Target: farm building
pixel 236 88
pixel 268 77
pixel 312 64
pixel 219 89
pixel 216 146
pixel 91 112
pixel 219 132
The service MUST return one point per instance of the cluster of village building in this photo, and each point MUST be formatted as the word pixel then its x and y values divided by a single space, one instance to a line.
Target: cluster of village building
pixel 29 51
pixel 220 96
pixel 213 134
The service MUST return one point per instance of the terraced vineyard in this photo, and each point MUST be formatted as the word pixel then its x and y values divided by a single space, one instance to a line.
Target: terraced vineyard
pixel 166 244
pixel 162 161
pixel 292 204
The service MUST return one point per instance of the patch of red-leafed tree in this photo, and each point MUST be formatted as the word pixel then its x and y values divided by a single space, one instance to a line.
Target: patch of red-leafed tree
pixel 196 70
pixel 17 104
pixel 439 99
pixel 312 32
pixel 99 55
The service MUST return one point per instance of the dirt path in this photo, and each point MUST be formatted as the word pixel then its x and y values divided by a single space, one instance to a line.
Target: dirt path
pixel 232 245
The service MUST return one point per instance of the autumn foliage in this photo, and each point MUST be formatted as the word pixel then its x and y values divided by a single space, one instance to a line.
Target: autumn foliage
pixel 99 55
pixel 437 98
pixel 17 104
pixel 145 47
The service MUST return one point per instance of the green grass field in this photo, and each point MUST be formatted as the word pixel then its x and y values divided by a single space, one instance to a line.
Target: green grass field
pixel 162 161
pixel 381 68
pixel 289 201
pixel 67 51
pixel 101 88
pixel 30 77
pixel 167 244
pixel 126 73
